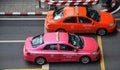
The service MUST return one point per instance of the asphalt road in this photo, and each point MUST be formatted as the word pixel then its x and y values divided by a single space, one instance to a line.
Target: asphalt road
pixel 18 30
pixel 11 53
pixel 11 56
pixel 111 48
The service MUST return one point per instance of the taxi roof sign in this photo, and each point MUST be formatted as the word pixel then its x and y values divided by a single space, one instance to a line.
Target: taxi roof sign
pixel 70 2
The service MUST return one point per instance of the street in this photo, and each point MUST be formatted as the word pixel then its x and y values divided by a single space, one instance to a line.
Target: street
pixel 14 32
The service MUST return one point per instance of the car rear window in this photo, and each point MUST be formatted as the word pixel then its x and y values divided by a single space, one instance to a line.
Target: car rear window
pixel 58 14
pixel 37 40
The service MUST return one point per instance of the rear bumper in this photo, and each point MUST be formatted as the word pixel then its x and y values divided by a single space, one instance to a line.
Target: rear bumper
pixel 26 56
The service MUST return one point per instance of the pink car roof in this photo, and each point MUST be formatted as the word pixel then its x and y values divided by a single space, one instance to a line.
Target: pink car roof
pixel 55 37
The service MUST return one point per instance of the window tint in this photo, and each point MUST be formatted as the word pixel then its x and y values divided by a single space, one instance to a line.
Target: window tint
pixel 58 14
pixel 37 40
pixel 93 14
pixel 76 40
pixel 70 20
pixel 84 20
pixel 66 47
pixel 51 47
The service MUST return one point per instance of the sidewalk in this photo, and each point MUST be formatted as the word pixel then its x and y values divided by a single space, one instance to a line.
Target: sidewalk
pixel 20 7
pixel 31 7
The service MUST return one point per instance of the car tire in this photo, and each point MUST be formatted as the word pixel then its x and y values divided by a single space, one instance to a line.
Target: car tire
pixel 85 60
pixel 40 60
pixel 60 30
pixel 101 32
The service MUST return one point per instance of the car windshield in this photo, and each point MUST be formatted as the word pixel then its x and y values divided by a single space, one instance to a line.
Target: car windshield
pixel 37 40
pixel 76 41
pixel 93 14
pixel 58 14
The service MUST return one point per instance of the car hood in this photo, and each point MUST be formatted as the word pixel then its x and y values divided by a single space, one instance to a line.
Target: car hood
pixel 90 44
pixel 106 18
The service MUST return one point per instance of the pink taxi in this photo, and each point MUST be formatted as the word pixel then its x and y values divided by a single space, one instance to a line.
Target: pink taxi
pixel 60 47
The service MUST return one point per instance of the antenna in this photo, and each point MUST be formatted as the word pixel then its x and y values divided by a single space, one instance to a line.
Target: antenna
pixel 57 37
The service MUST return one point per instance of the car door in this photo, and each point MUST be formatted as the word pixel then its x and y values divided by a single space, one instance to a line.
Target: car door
pixel 87 25
pixel 70 24
pixel 67 53
pixel 50 52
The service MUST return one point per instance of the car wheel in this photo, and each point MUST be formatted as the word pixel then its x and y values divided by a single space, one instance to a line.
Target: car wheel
pixel 85 60
pixel 40 60
pixel 60 30
pixel 101 32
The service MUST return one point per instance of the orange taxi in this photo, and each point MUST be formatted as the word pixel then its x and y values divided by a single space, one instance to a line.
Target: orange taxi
pixel 80 19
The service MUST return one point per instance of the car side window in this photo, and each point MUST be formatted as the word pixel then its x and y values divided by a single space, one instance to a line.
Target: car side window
pixel 66 47
pixel 70 20
pixel 84 20
pixel 50 47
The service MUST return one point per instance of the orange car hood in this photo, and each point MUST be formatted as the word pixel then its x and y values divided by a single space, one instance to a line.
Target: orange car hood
pixel 106 18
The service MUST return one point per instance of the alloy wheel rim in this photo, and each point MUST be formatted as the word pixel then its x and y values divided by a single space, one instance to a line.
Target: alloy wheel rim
pixel 40 61
pixel 85 60
pixel 101 32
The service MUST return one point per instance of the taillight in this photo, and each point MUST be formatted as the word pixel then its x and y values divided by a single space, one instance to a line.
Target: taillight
pixel 26 51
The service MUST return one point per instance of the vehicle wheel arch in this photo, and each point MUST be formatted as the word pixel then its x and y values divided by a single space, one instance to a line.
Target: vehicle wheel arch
pixel 40 57
pixel 101 29
pixel 60 30
pixel 84 56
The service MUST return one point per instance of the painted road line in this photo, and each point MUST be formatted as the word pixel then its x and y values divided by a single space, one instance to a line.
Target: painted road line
pixel 117 18
pixel 115 10
pixel 46 66
pixel 118 30
pixel 28 69
pixel 22 18
pixel 102 62
pixel 11 41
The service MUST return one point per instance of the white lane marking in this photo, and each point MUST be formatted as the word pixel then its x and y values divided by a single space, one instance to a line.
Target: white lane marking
pixel 11 41
pixel 26 69
pixel 46 66
pixel 22 18
pixel 116 10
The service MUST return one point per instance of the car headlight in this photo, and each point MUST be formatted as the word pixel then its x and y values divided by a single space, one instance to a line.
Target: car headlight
pixel 94 53
pixel 112 24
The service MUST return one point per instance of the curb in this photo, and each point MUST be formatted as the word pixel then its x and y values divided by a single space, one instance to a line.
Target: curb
pixel 113 5
pixel 71 2
pixel 39 13
pixel 112 9
pixel 23 13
